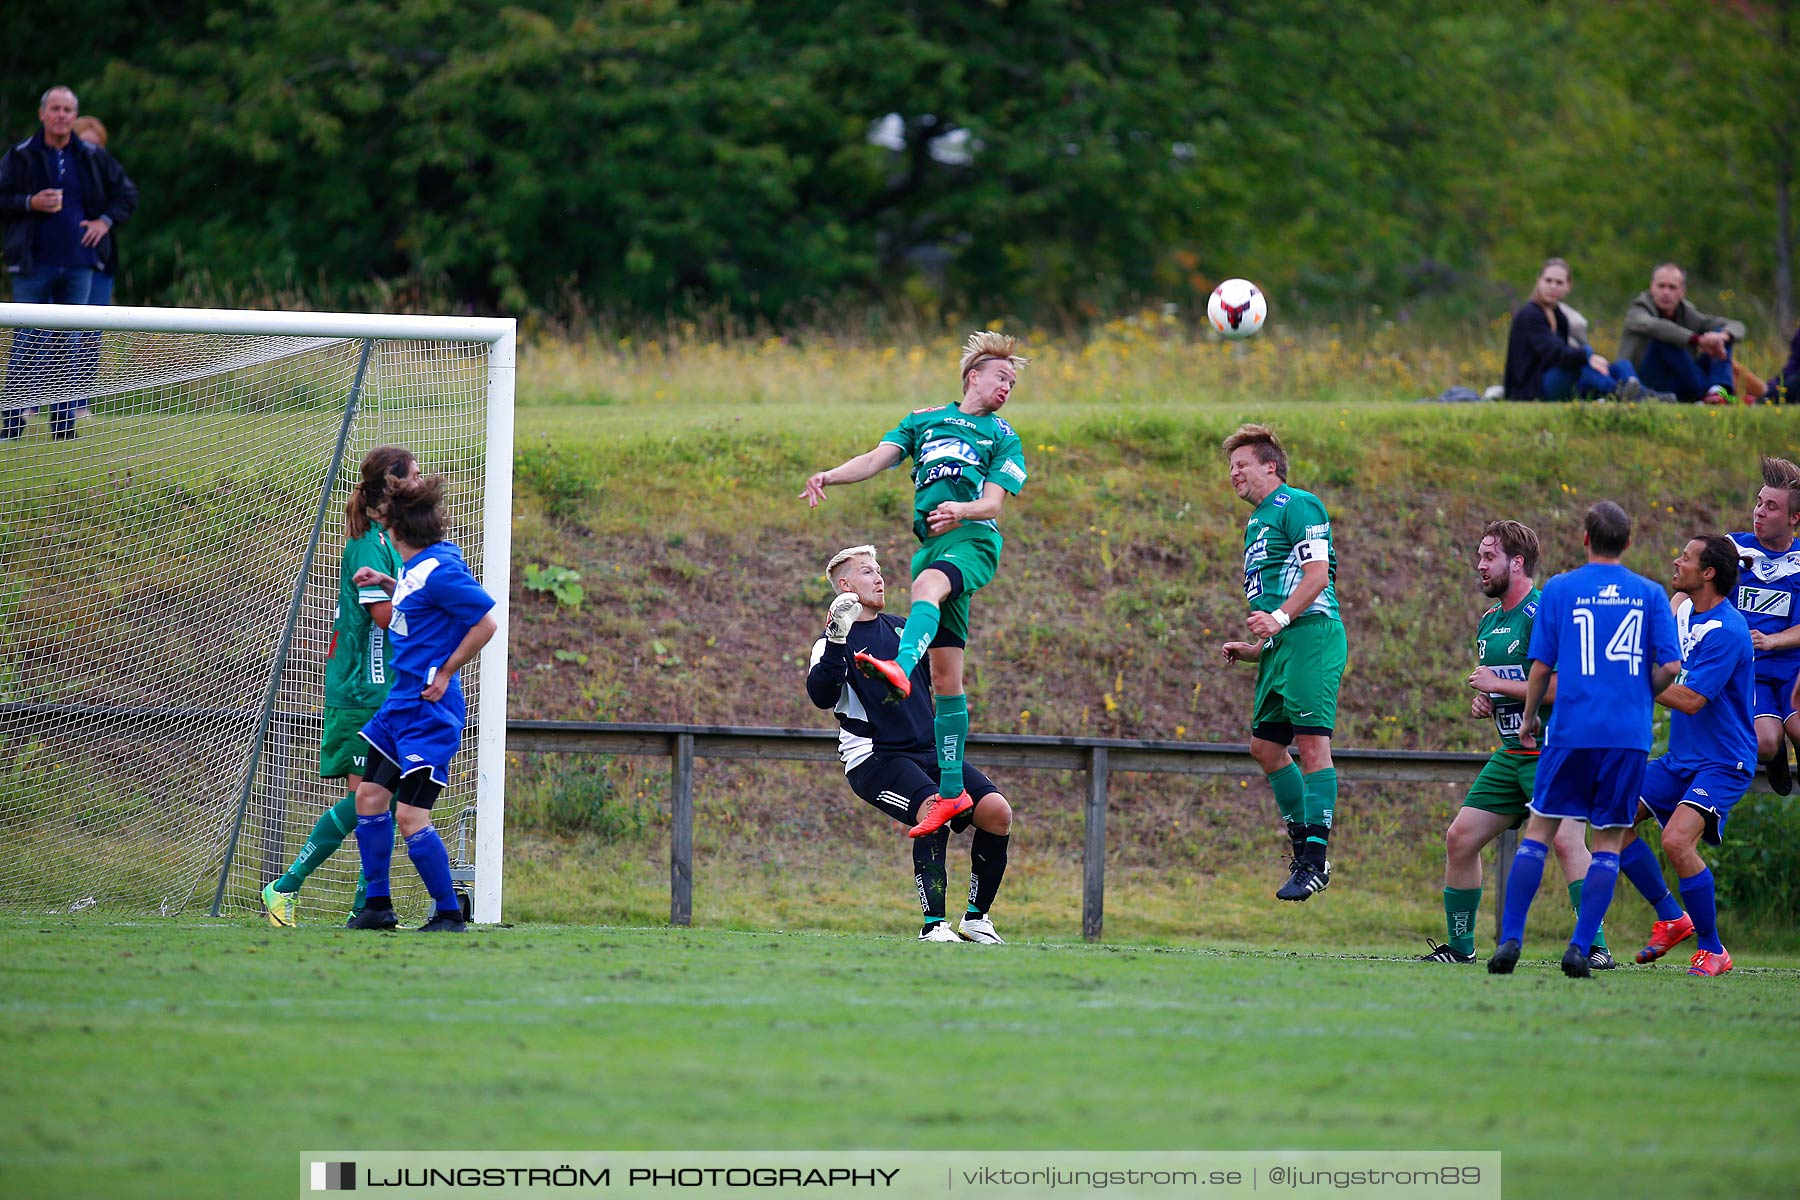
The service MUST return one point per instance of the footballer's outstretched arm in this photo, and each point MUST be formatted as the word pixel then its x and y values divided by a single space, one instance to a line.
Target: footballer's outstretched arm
pixel 866 465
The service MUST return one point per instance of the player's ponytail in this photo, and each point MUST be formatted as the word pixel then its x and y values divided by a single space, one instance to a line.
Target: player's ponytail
pixel 379 467
pixel 413 511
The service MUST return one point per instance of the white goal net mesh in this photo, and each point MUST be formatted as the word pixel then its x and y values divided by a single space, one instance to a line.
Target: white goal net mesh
pixel 158 495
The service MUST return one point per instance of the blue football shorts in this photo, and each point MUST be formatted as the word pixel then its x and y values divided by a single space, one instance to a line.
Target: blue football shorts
pixel 1600 787
pixel 417 735
pixel 1711 789
pixel 1774 695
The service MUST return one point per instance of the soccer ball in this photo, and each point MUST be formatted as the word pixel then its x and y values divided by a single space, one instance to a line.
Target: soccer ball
pixel 1237 308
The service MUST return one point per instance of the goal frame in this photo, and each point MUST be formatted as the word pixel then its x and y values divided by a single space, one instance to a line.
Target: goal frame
pixel 500 335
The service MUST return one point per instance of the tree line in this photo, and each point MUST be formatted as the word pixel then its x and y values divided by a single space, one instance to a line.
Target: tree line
pixel 1042 157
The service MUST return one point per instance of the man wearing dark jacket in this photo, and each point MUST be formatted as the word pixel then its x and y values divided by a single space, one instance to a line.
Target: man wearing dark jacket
pixel 1676 347
pixel 1784 388
pixel 60 198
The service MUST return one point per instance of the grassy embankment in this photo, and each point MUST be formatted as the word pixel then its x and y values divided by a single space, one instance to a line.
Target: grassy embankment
pixel 666 474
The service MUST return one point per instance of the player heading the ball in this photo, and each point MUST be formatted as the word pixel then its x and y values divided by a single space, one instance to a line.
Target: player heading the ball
pixel 966 461
pixel 1290 582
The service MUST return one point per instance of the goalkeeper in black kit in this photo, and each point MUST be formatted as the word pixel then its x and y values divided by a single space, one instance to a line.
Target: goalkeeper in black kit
pixel 889 747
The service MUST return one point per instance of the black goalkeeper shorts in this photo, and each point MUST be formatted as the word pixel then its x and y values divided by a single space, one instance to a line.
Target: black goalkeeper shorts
pixel 900 785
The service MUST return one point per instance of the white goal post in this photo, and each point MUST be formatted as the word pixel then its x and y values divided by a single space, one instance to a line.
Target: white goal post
pixel 172 485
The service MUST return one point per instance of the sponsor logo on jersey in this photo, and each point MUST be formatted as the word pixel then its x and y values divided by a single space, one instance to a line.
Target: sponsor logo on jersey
pixel 956 448
pixel 1766 602
pixel 1609 592
pixel 1281 499
pixel 939 471
pixel 1013 469
pixel 962 421
pixel 1319 531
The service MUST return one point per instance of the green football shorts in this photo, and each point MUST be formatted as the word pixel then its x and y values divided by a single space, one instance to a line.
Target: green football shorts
pixel 342 750
pixel 975 551
pixel 1504 785
pixel 1297 679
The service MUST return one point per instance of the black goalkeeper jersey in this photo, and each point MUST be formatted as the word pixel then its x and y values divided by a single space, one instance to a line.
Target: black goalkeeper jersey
pixel 869 722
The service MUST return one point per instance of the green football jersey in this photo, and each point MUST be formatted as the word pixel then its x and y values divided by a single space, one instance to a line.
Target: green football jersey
pixel 1289 529
pixel 954 455
pixel 356 674
pixel 1501 644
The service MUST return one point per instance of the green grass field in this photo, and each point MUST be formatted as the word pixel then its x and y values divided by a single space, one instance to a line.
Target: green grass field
pixel 197 1059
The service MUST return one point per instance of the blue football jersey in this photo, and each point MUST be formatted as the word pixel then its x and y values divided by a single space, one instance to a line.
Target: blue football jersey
pixel 436 603
pixel 1768 594
pixel 1603 628
pixel 1717 661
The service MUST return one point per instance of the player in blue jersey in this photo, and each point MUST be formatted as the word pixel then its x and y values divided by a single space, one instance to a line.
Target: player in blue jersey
pixel 1711 758
pixel 356 676
pixel 888 748
pixel 1768 595
pixel 441 619
pixel 1608 635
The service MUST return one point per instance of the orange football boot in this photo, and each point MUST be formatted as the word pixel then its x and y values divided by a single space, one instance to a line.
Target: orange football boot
pixel 1705 962
pixel 887 670
pixel 939 813
pixel 1665 936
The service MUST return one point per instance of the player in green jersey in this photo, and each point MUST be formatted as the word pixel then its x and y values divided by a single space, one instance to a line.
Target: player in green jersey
pixel 966 461
pixel 356 675
pixel 1505 562
pixel 1290 582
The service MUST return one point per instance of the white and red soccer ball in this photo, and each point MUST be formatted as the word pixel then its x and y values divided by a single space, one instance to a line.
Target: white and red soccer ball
pixel 1237 308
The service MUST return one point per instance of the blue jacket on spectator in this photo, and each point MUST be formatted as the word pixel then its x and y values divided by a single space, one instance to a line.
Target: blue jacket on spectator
pixel 25 171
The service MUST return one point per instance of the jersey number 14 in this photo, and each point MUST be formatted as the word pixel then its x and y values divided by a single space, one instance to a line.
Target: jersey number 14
pixel 1626 645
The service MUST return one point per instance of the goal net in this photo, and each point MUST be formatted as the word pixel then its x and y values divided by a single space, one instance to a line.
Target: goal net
pixel 172 490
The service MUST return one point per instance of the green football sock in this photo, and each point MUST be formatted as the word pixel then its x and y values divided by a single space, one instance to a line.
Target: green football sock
pixel 952 728
pixel 1460 907
pixel 1575 902
pixel 1290 792
pixel 334 825
pixel 921 627
pixel 1321 797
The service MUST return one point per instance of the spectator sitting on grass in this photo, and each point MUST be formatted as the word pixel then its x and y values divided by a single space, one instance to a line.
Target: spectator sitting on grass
pixel 1784 385
pixel 1547 360
pixel 1676 347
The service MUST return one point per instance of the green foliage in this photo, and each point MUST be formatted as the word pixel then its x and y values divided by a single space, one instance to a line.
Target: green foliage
pixel 573 794
pixel 560 582
pixel 562 486
pixel 1758 865
pixel 577 155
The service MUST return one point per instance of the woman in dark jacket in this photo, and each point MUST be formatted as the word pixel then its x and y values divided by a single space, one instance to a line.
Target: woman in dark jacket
pixel 1543 362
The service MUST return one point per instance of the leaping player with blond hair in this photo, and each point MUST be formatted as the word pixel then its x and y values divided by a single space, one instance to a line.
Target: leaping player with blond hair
pixel 966 461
